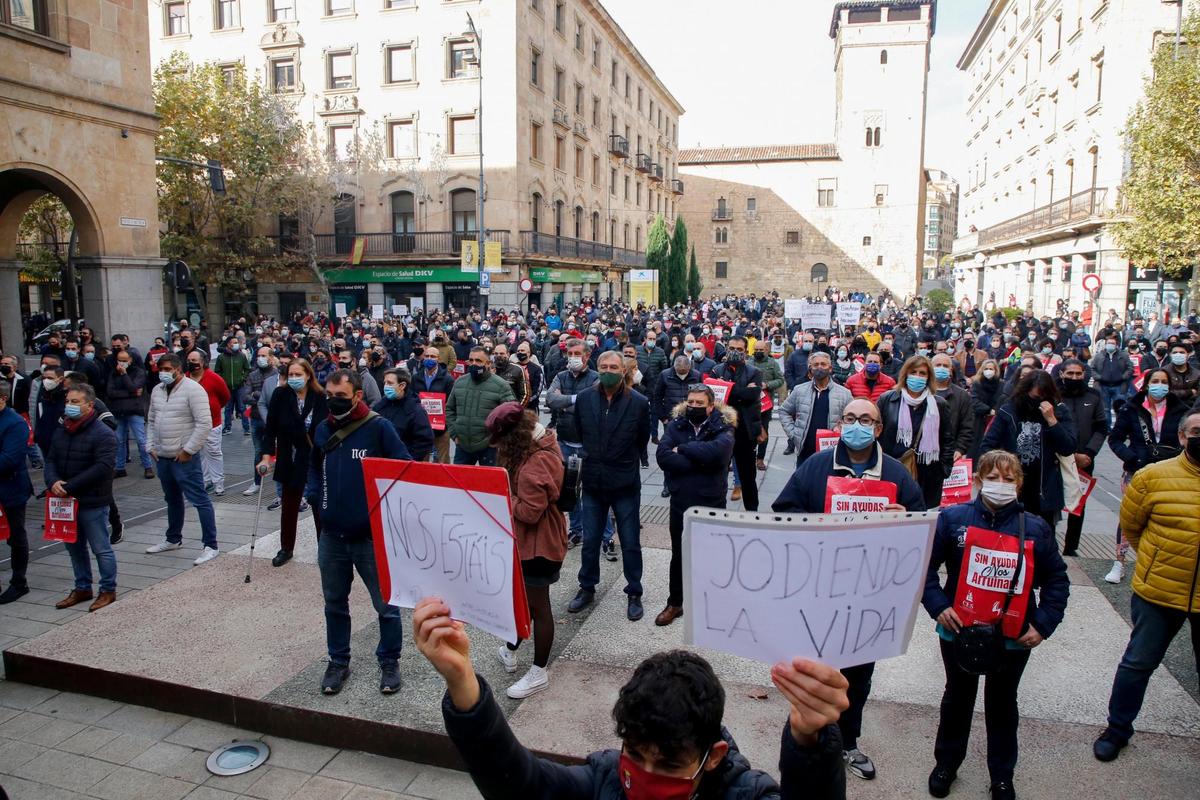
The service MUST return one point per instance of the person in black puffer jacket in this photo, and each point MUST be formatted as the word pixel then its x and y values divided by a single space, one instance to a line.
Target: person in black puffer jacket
pixel 401 407
pixel 127 402
pixel 79 465
pixel 985 399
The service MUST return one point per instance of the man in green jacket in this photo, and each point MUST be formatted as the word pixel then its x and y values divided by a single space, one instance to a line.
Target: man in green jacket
pixel 471 400
pixel 772 381
pixel 232 367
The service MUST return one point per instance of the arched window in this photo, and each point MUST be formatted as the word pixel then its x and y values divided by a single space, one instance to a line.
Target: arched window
pixel 883 56
pixel 625 240
pixel 869 137
pixel 819 273
pixel 462 208
pixel 578 222
pixel 344 223
pixel 595 226
pixel 403 214
pixel 637 242
pixel 878 136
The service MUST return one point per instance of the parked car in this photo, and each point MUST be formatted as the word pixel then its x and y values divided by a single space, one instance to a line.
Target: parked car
pixel 56 328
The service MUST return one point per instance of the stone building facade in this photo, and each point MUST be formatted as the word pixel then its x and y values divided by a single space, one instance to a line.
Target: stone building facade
pixel 78 122
pixel 941 221
pixel 848 212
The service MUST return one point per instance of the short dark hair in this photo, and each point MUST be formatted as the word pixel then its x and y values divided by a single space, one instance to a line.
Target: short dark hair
pixel 168 360
pixel 673 701
pixel 340 376
pixel 89 394
pixel 402 375
pixel 1041 380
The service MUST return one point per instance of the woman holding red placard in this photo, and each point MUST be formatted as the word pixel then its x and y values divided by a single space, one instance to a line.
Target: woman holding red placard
pixel 996 510
pixel 529 451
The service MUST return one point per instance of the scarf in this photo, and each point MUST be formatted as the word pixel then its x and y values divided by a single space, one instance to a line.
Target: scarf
pixel 356 413
pixel 929 447
pixel 73 425
pixel 1158 411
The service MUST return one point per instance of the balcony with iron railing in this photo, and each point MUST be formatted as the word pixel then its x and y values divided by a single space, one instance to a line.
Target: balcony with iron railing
pixel 1072 210
pixel 656 173
pixel 642 163
pixel 722 214
pixel 536 243
pixel 422 243
pixel 618 145
pixel 676 186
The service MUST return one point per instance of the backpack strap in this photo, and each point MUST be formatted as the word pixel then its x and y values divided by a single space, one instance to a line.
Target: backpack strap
pixel 341 434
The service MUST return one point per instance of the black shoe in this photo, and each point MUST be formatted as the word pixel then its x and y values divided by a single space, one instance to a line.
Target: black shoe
pixel 1106 748
pixel 335 676
pixel 574 540
pixel 583 599
pixel 789 450
pixel 116 536
pixel 13 592
pixel 1003 790
pixel 610 550
pixel 653 440
pixel 634 611
pixel 389 678
pixel 120 474
pixel 645 462
pixel 1070 553
pixel 281 558
pixel 940 781
pixel 666 492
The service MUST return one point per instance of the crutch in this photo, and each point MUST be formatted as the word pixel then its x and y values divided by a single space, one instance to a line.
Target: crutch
pixel 262 473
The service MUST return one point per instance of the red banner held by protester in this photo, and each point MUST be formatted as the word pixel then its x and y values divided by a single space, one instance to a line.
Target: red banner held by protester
pixel 957 488
pixel 720 388
pixel 434 404
pixel 989 559
pixel 1086 484
pixel 62 519
pixel 858 496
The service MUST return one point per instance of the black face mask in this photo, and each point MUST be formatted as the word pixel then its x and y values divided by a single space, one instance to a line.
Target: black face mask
pixel 696 415
pixel 1193 449
pixel 6 370
pixel 477 372
pixel 1074 386
pixel 340 406
pixel 1030 407
pixel 345 365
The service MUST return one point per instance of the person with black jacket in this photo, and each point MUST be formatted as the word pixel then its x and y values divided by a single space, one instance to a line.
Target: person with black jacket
pixel 433 378
pixel 79 465
pixel 15 491
pixel 1091 429
pixel 916 428
pixel 127 402
pixel 985 399
pixel 534 375
pixel 694 454
pixel 401 407
pixel 962 420
pixel 296 408
pixel 746 399
pixel 669 717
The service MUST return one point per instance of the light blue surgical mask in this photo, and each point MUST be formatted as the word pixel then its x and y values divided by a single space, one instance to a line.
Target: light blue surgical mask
pixel 1110 347
pixel 915 383
pixel 1179 359
pixel 858 436
pixel 90 356
pixel 167 377
pixel 297 383
pixel 390 392
pixel 73 412
pixel 941 373
pixel 1158 390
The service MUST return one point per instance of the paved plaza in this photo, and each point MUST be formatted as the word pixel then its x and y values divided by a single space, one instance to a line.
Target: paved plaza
pixel 206 630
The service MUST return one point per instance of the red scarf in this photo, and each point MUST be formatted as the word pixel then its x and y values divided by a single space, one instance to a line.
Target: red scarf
pixel 356 413
pixel 73 425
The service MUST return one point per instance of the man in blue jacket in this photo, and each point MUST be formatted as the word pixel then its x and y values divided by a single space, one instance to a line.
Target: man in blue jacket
pixel 612 424
pixel 15 491
pixel 694 455
pixel 335 487
pixel 857 455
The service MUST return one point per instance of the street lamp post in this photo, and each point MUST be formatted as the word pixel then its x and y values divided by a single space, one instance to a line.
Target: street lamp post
pixel 480 234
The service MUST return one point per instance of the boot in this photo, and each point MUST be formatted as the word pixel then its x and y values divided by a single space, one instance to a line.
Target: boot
pixel 76 597
pixel 737 493
pixel 102 600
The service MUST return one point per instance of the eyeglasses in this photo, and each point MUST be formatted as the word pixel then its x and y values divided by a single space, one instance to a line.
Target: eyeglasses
pixel 865 419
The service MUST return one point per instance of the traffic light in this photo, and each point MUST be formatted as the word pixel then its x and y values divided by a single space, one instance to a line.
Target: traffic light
pixel 216 177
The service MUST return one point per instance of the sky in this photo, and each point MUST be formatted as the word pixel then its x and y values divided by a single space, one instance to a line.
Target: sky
pixel 761 71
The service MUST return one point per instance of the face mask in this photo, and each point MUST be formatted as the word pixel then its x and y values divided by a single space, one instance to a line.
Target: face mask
pixel 998 493
pixel 73 412
pixel 1110 347
pixel 696 415
pixel 819 375
pixel 1158 390
pixel 235 347
pixel 390 392
pixel 72 354
pixel 807 347
pixel 872 369
pixel 968 345
pixel 477 372
pixel 989 373
pixel 858 436
pixel 263 362
pixel 1193 448
pixel 167 378
pixel 195 368
pixel 91 356
pixel 1179 359
pixel 340 406
pixel 345 364
pixel 610 380
pixel 6 370
pixel 429 363
pixel 49 384
pixel 697 355
pixel 575 364
pixel 736 357
pixel 924 352
pixel 296 383
pixel 760 356
pixel 916 384
pixel 842 354
pixel 638 784
pixel 1046 351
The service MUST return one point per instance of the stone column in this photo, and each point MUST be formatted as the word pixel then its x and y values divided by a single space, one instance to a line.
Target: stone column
pixel 123 295
pixel 12 337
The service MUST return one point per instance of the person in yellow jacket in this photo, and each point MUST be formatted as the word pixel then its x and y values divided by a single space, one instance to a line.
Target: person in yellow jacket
pixel 1158 516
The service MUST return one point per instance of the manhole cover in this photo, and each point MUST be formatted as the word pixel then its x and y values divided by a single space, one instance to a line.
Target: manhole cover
pixel 237 757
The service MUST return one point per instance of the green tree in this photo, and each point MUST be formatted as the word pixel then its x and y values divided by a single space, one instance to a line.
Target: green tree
pixel 677 264
pixel 208 112
pixel 658 253
pixel 45 233
pixel 693 278
pixel 1162 190
pixel 938 300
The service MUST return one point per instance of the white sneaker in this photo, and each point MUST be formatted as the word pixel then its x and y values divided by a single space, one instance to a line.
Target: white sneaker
pixel 1116 573
pixel 250 492
pixel 508 658
pixel 164 546
pixel 208 554
pixel 536 680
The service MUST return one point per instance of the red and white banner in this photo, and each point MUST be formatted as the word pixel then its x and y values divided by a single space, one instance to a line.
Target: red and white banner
pixel 720 388
pixel 459 369
pixel 826 439
pixel 434 404
pixel 62 519
pixel 766 403
pixel 1086 484
pixel 858 496
pixel 957 488
pixel 446 531
pixel 989 561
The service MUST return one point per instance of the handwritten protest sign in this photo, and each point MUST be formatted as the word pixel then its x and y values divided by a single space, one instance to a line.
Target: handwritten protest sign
pixel 791 308
pixel 843 590
pixel 849 313
pixel 446 531
pixel 339 310
pixel 815 315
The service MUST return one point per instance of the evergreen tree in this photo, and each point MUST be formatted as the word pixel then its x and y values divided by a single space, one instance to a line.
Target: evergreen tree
pixel 658 253
pixel 678 262
pixel 693 278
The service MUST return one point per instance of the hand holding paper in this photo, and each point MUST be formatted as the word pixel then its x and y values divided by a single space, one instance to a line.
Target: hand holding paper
pixel 817 694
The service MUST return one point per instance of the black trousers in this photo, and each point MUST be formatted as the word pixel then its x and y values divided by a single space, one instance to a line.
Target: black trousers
pixel 675 526
pixel 999 713
pixel 1074 531
pixel 850 723
pixel 18 543
pixel 762 446
pixel 743 462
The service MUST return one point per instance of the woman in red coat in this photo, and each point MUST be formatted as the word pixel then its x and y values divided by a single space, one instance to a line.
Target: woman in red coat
pixel 870 383
pixel 530 453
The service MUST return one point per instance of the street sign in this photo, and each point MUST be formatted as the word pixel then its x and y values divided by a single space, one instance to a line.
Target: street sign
pixel 1091 282
pixel 485 280
pixel 526 285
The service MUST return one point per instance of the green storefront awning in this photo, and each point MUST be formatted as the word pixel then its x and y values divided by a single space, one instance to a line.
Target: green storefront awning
pixel 400 275
pixel 548 275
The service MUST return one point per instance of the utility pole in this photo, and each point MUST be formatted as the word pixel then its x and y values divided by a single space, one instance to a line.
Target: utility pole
pixel 480 234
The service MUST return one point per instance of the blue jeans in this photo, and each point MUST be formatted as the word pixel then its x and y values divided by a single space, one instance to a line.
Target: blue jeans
pixel 484 458
pixel 93 535
pixel 338 559
pixel 136 424
pixel 1109 394
pixel 186 479
pixel 626 505
pixel 1154 627
pixel 233 408
pixel 576 516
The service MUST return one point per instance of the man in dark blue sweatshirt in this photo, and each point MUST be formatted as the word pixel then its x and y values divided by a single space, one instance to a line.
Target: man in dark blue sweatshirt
pixel 336 492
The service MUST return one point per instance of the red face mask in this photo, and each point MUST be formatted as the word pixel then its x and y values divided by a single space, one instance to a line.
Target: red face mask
pixel 638 784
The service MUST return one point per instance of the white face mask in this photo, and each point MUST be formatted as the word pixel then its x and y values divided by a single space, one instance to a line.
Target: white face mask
pixel 575 364
pixel 49 384
pixel 989 373
pixel 637 376
pixel 998 493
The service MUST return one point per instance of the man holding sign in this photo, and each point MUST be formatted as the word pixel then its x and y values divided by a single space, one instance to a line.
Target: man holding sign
pixel 857 456
pixel 433 385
